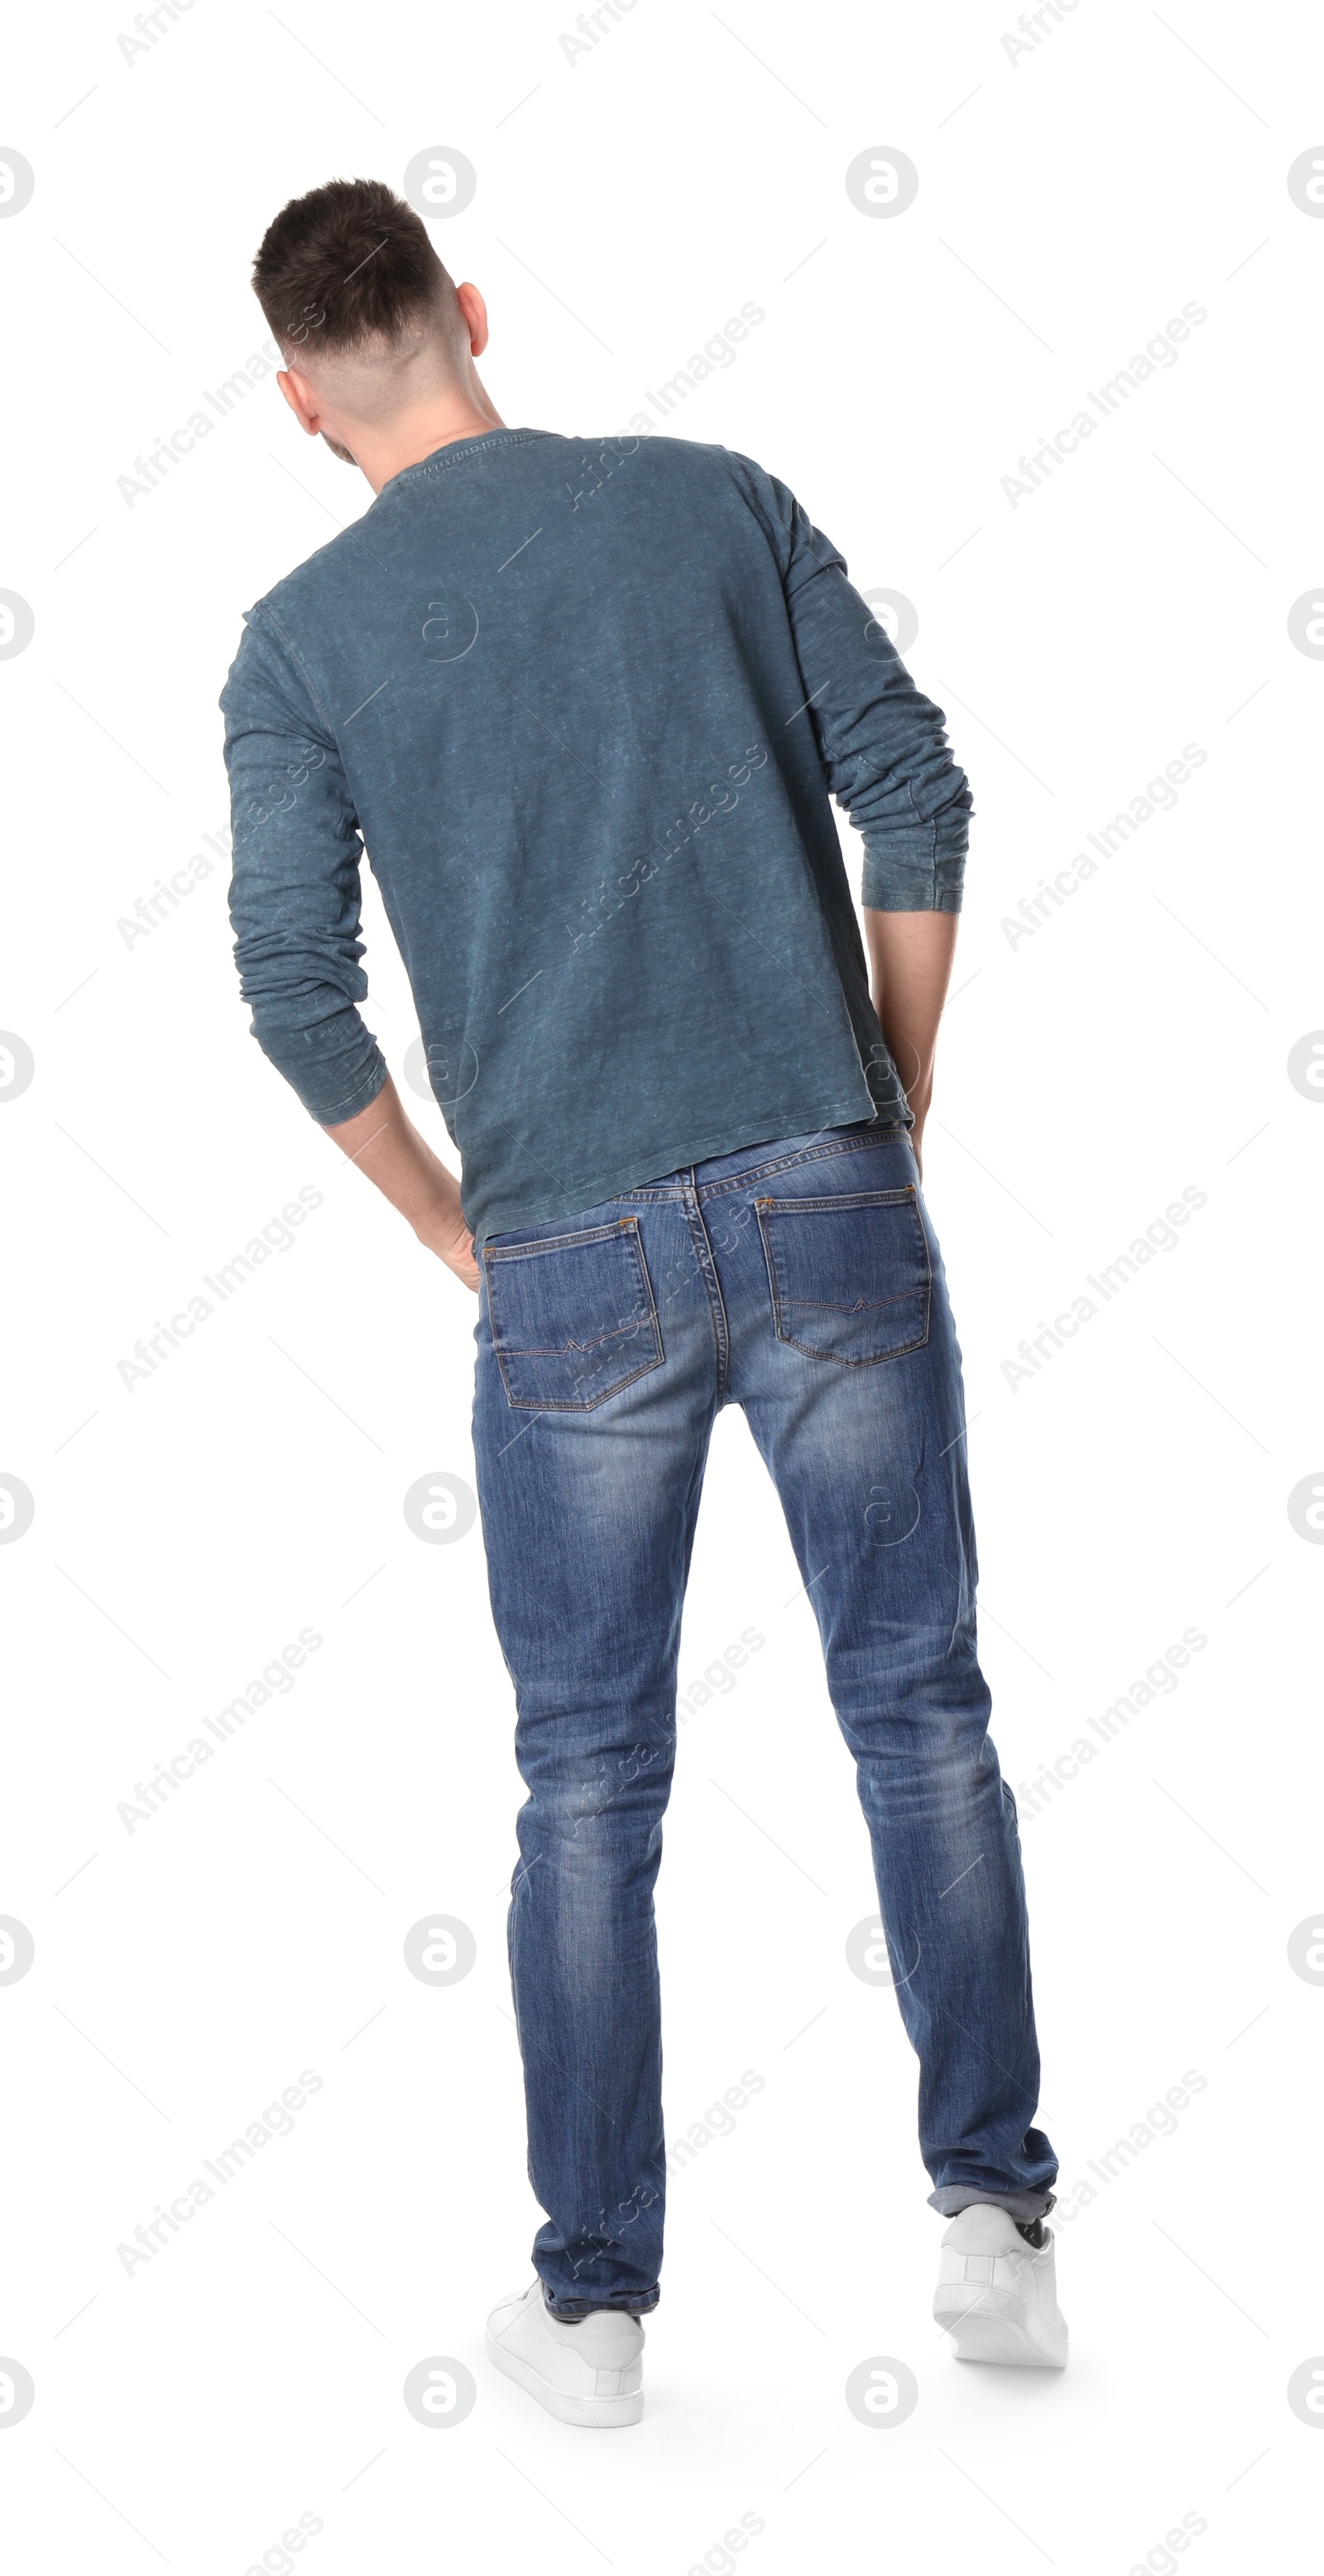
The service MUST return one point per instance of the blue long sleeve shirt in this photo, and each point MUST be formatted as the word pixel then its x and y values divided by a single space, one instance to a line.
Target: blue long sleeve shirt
pixel 586 708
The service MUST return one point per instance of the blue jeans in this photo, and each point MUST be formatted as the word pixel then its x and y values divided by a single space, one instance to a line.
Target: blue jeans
pixel 801 1281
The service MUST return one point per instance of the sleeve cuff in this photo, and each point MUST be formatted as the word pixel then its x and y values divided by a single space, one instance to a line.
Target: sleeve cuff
pixel 909 874
pixel 331 1086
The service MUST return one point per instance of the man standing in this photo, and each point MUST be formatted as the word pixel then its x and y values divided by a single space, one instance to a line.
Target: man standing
pixel 586 704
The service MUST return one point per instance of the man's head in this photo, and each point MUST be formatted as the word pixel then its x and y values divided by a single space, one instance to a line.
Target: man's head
pixel 378 342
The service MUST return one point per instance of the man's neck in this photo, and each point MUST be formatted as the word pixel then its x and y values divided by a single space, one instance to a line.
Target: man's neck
pixel 383 453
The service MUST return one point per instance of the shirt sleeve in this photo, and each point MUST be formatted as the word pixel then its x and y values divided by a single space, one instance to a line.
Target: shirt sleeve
pixel 295 892
pixel 883 745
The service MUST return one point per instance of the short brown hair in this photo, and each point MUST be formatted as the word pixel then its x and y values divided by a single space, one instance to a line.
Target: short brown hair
pixel 346 265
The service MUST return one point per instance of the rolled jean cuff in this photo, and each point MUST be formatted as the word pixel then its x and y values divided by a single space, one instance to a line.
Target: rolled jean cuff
pixel 641 2303
pixel 956 2196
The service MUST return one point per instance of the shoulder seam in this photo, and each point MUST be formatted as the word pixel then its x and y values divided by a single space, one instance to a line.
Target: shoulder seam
pixel 264 610
pixel 732 461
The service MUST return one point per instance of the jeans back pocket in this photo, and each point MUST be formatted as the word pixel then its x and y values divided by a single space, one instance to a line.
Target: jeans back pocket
pixel 572 1316
pixel 850 1277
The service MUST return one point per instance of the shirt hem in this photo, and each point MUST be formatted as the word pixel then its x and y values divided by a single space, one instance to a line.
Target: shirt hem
pixel 801 1118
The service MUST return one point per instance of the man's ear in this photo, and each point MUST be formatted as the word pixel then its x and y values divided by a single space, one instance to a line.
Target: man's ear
pixel 475 317
pixel 301 399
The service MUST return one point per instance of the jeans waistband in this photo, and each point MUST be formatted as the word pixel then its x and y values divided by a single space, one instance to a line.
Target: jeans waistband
pixel 757 1162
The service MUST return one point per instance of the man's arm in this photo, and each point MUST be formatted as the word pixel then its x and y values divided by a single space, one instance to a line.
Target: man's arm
pixel 882 743
pixel 294 903
pixel 389 1149
pixel 910 954
pixel 887 761
pixel 295 891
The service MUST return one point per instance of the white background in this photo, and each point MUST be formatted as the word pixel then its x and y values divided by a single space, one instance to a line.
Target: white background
pixel 1070 201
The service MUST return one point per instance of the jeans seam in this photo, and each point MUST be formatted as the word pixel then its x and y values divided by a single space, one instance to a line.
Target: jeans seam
pixel 703 1253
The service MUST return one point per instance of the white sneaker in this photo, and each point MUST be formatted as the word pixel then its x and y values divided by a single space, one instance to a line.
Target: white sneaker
pixel 590 2373
pixel 997 2297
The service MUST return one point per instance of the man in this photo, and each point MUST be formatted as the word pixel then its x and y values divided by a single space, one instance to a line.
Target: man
pixel 586 705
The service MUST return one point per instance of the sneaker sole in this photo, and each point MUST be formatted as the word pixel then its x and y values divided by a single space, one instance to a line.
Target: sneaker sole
pixel 998 2328
pixel 606 2413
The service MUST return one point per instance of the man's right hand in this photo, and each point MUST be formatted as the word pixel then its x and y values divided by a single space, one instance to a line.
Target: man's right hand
pixel 911 956
pixel 455 1248
pixel 385 1145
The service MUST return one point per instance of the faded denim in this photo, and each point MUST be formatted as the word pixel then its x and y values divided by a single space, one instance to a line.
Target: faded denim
pixel 802 1282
